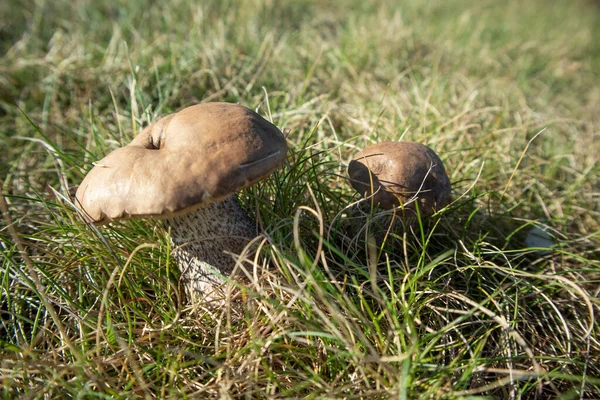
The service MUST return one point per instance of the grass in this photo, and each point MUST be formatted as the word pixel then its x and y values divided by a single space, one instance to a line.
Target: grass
pixel 507 93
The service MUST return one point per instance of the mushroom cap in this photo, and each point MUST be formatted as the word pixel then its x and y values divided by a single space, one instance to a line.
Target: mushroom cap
pixel 399 172
pixel 197 156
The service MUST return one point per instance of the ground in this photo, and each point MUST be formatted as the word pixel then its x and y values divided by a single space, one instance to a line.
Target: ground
pixel 331 305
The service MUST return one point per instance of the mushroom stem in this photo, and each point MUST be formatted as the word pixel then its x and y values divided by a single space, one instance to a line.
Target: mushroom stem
pixel 203 243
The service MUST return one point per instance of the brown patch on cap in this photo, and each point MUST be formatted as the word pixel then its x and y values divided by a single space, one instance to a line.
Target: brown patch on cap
pixel 401 172
pixel 197 156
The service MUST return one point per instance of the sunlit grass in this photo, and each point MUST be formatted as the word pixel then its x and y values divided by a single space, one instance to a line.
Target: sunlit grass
pixel 332 302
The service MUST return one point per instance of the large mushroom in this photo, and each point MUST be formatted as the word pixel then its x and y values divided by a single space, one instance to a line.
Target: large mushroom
pixel 185 169
pixel 401 174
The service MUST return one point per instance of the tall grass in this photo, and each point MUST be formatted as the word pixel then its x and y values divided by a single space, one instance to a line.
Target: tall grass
pixel 333 301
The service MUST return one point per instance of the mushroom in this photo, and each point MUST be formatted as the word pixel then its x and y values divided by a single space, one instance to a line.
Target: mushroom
pixel 185 170
pixel 393 174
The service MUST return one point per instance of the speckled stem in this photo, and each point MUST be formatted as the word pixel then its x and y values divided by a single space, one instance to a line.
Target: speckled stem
pixel 380 224
pixel 203 241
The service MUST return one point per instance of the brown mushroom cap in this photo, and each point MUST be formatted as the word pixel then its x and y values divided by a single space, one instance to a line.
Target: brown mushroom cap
pixel 197 156
pixel 400 172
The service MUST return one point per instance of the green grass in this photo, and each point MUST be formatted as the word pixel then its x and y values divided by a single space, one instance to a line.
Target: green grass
pixel 332 307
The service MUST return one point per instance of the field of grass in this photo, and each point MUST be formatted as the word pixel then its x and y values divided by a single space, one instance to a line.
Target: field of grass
pixel 507 93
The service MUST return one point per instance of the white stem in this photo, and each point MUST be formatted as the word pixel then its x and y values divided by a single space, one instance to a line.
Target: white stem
pixel 204 241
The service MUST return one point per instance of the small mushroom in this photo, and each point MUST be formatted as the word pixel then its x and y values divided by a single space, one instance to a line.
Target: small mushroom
pixel 185 169
pixel 393 174
pixel 540 237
